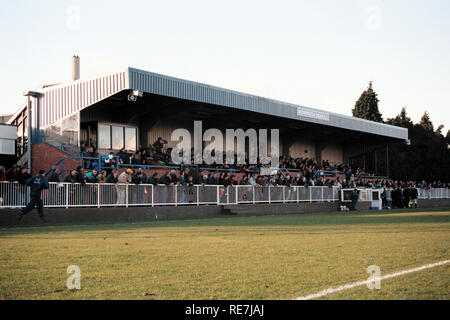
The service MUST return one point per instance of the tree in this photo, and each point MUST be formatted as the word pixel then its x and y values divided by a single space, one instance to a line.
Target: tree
pixel 401 120
pixel 426 123
pixel 367 106
pixel 439 130
pixel 428 156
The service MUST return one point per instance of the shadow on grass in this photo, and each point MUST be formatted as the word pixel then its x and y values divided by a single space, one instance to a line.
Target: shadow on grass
pixel 395 216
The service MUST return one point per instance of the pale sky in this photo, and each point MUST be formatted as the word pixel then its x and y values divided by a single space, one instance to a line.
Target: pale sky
pixel 320 53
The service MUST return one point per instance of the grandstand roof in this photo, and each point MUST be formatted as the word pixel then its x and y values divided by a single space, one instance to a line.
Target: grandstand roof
pixel 62 100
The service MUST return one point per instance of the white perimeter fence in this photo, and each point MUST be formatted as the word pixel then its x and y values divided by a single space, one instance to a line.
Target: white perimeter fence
pixel 69 195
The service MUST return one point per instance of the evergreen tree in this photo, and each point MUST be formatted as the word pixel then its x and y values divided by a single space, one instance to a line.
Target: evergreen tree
pixel 428 156
pixel 426 123
pixel 367 106
pixel 439 130
pixel 401 120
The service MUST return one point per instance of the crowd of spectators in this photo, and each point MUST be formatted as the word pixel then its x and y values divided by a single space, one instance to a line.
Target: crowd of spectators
pixel 293 172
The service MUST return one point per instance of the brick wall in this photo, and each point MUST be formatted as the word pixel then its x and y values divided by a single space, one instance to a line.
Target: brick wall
pixel 44 156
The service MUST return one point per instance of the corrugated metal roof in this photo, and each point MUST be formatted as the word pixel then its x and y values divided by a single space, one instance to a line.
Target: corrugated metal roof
pixel 60 101
pixel 177 88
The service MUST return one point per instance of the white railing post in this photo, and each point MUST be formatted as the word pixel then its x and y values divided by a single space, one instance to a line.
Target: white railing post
pixel 269 193
pixel 153 196
pixel 254 194
pixel 237 196
pixel 218 195
pixel 198 196
pixel 322 192
pixel 176 195
pixel 126 196
pixel 228 194
pixel 284 195
pixel 98 195
pixel 310 194
pixel 66 186
pixel 298 193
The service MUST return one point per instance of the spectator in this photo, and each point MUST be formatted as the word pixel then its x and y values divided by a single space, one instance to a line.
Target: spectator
pixel 86 154
pixel 80 176
pixel 92 177
pixel 53 175
pixel 102 177
pixel 165 179
pixel 137 178
pixel 112 177
pixel 159 144
pixel 12 173
pixel 135 159
pixel 124 178
pixel 71 177
pixel 173 177
pixel 2 173
pixel 23 175
pixel 154 179
pixel 144 177
pixel 110 162
pixel 123 156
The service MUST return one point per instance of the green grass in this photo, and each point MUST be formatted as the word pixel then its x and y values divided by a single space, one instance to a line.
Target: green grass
pixel 266 257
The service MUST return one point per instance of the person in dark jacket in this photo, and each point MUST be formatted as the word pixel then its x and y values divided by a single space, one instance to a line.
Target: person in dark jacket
pixel 80 176
pixel 71 177
pixel 414 193
pixel 173 176
pixel 153 179
pixel 355 197
pixel 144 179
pixel 165 179
pixel 112 177
pixel 53 175
pixel 12 173
pixel 36 184
pixel 406 196
pixel 23 175
pixel 137 178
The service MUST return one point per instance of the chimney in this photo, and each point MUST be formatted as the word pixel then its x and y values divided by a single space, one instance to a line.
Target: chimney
pixel 75 67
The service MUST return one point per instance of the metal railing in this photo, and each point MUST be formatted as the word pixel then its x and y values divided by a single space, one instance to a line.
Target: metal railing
pixel 69 195
pixel 429 193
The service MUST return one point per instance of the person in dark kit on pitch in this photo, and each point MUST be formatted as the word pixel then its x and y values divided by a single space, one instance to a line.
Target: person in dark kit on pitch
pixel 355 196
pixel 36 184
pixel 414 195
pixel 406 196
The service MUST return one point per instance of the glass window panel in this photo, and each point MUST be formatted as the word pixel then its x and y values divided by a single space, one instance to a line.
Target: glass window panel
pixel 117 137
pixel 7 147
pixel 104 136
pixel 130 139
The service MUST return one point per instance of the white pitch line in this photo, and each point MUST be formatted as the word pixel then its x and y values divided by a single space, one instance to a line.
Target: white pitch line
pixel 370 280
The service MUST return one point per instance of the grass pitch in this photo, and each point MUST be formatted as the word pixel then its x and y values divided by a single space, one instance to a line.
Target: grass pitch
pixel 266 257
